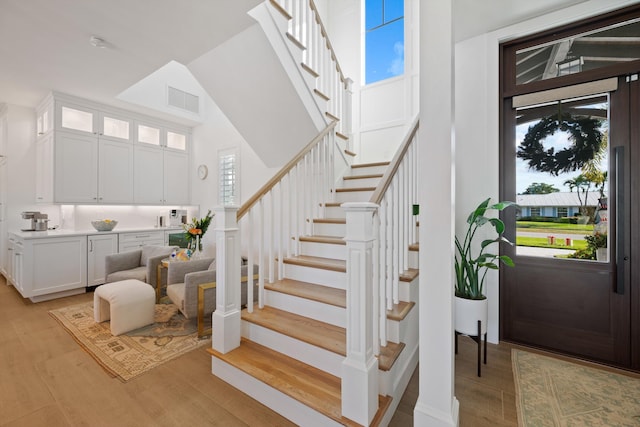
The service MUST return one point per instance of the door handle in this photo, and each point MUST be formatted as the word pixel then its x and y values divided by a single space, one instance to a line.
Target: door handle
pixel 621 258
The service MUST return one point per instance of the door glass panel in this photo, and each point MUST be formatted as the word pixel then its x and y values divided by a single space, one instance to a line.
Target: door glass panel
pixel 177 141
pixel 115 128
pixel 599 48
pixel 77 119
pixel 148 135
pixel 562 168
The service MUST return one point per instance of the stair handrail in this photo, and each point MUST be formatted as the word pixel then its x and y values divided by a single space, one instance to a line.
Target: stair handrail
pixel 284 171
pixel 320 59
pixel 392 169
pixel 312 5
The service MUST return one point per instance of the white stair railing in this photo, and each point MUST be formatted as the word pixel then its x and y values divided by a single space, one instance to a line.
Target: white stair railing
pixel 272 221
pixel 395 228
pixel 319 58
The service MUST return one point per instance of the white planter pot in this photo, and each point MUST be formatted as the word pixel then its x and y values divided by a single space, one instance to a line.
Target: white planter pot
pixel 467 314
pixel 602 254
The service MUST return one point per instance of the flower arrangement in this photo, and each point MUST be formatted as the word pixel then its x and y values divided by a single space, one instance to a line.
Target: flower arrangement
pixel 196 229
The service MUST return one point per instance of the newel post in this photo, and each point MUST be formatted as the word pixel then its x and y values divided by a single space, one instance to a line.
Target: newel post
pixel 226 318
pixel 360 367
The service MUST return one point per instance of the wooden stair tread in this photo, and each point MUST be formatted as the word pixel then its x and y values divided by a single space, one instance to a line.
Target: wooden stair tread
pixel 310 291
pixel 389 354
pixel 333 204
pixel 342 136
pixel 331 116
pixel 400 310
pixel 320 334
pixel 409 275
pixel 367 165
pixel 414 247
pixel 373 175
pixel 347 152
pixel 330 220
pixel 321 95
pixel 349 190
pixel 309 385
pixel 332 240
pixel 318 262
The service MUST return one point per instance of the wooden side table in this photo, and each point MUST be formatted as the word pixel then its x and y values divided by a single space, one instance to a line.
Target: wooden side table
pixel 201 290
pixel 164 264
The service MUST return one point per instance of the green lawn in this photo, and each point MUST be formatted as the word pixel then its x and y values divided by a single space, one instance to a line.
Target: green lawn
pixel 541 242
pixel 553 227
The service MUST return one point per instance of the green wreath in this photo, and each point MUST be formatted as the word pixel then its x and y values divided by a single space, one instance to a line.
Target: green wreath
pixel 584 134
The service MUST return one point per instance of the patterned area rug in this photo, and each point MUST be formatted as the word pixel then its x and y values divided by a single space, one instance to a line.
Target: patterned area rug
pixel 552 392
pixel 134 353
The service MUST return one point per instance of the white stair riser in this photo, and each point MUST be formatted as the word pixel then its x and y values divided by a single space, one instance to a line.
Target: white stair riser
pixel 413 259
pixel 369 170
pixel 329 229
pixel 403 330
pixel 320 358
pixel 408 291
pixel 354 196
pixel 394 382
pixel 318 276
pixel 361 182
pixel 324 250
pixel 286 406
pixel 335 212
pixel 308 308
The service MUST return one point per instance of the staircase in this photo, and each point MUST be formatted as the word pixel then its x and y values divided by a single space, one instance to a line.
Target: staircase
pixel 278 80
pixel 293 348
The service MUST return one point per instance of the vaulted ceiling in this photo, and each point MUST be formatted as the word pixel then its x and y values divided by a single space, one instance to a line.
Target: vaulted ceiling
pixel 44 44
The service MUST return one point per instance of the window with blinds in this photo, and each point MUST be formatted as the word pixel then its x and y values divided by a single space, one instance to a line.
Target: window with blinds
pixel 228 177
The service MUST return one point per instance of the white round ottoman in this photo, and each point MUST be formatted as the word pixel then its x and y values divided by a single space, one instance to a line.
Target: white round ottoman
pixel 129 304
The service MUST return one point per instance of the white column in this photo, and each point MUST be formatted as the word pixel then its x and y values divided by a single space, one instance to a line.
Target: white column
pixel 436 405
pixel 226 318
pixel 360 367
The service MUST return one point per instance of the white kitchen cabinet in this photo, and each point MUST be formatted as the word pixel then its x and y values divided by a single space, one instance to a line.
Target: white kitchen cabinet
pixel 52 267
pixel 148 178
pixel 75 168
pixel 99 246
pixel 100 154
pixel 161 176
pixel 115 172
pixel 91 170
pixel 133 241
pixel 44 168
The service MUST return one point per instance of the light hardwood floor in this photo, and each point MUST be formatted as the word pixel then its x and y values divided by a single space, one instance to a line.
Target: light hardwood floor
pixel 46 379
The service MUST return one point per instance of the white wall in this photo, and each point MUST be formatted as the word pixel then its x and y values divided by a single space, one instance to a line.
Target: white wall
pixel 217 133
pixel 381 111
pixel 477 118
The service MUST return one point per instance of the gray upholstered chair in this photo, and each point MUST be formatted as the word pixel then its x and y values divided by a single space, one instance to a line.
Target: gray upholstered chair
pixel 141 264
pixel 183 279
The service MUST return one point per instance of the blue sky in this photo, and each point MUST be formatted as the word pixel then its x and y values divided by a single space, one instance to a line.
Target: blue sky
pixel 384 44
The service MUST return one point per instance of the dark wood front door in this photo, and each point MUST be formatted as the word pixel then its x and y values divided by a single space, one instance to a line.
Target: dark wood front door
pixel 585 308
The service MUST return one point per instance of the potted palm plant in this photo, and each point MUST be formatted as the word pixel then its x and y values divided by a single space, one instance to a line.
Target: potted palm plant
pixel 471 270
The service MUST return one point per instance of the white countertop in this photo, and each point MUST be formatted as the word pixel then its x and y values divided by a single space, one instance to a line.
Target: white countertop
pixel 87 232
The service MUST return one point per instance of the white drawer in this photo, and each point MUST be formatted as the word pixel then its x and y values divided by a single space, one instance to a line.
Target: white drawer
pixel 132 241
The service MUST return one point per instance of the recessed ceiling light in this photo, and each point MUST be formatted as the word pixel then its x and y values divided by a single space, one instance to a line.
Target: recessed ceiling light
pixel 98 42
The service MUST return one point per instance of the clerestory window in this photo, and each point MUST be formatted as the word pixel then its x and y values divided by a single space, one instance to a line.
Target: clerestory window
pixel 384 39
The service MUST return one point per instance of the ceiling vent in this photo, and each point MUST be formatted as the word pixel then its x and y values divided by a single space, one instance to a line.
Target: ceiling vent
pixel 183 100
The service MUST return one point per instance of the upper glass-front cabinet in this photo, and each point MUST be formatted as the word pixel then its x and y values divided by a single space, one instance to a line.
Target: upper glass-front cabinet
pixel 77 119
pixel 115 127
pixel 148 134
pixel 176 140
